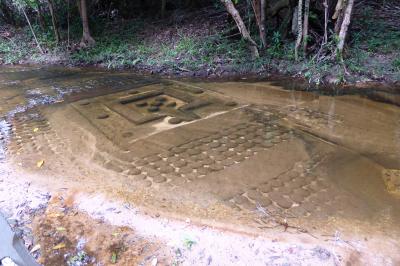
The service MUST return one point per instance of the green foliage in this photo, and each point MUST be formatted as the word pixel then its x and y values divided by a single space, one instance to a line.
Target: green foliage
pixel 377 35
pixel 15 49
pixel 189 242
pixel 129 43
pixel 186 52
pixel 81 258
pixel 275 48
pixel 396 64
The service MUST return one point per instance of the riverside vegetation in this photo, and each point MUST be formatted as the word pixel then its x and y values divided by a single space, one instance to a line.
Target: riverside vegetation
pixel 322 41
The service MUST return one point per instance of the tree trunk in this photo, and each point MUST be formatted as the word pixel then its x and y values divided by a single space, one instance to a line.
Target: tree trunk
pixel 163 5
pixel 78 3
pixel 344 28
pixel 33 33
pixel 42 23
pixel 263 34
pixel 325 21
pixel 299 29
pixel 305 25
pixel 338 15
pixel 54 20
pixel 87 39
pixel 7 13
pixel 278 6
pixel 241 26
pixel 68 26
pixel 259 12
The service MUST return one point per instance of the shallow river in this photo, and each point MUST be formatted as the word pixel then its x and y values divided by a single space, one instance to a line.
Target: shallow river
pixel 243 156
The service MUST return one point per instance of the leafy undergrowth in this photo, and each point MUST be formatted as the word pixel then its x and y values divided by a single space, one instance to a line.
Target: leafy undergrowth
pixel 198 45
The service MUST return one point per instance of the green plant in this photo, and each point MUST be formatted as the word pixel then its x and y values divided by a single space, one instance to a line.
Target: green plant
pixel 396 64
pixel 275 49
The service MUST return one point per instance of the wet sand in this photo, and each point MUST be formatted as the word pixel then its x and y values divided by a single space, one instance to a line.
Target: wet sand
pixel 247 158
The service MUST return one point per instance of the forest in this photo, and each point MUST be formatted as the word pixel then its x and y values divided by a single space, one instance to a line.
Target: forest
pixel 323 41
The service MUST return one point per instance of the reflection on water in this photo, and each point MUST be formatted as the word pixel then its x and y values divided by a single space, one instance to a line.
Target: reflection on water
pixel 223 151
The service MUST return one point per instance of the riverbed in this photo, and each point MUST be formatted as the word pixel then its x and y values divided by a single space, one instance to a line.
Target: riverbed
pixel 240 170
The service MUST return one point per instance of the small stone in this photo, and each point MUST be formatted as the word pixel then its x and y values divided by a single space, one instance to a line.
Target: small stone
pixel 175 120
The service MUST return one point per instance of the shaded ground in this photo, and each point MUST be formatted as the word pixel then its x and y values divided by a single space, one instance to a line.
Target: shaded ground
pixel 273 171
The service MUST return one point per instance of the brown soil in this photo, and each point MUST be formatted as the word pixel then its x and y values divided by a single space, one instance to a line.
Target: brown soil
pixel 66 235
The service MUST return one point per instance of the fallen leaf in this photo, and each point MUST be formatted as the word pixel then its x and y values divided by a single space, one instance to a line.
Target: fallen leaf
pixel 59 246
pixel 54 215
pixel 114 258
pixel 35 248
pixel 35 129
pixel 40 163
